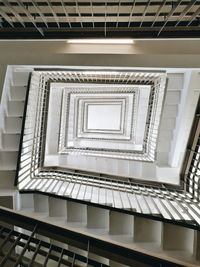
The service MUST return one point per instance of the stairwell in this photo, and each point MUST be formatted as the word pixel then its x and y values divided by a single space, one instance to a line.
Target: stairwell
pixel 165 240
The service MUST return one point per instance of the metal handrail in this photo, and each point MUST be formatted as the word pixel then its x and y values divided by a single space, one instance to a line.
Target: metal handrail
pixel 87 242
pixel 169 201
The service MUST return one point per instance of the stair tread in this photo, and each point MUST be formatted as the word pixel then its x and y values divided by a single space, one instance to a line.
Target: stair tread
pixel 124 239
pixel 4 149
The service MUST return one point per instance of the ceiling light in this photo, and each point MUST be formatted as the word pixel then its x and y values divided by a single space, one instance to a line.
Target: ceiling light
pixel 100 41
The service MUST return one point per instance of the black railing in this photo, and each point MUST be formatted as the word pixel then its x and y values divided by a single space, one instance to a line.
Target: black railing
pixel 178 204
pixel 15 244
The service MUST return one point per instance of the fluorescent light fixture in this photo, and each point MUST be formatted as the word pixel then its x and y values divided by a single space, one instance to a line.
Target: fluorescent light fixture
pixel 100 41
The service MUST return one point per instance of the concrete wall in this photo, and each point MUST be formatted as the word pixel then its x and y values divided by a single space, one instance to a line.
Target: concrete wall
pixel 143 53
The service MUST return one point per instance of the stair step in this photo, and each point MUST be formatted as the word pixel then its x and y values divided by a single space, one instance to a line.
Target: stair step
pixel 148 170
pixel 170 111
pixel 123 168
pixel 175 81
pixel 146 230
pixel 20 76
pixel 10 142
pixel 15 108
pixel 13 124
pixel 76 212
pixel 7 179
pixel 18 92
pixel 8 160
pixel 120 223
pixel 197 245
pixel 167 174
pixel 177 238
pixel 57 207
pixel 164 146
pixel 135 169
pixel 162 158
pixel 167 124
pixel 97 217
pixel 27 201
pixel 172 97
pixel 132 231
pixel 40 203
pixel 110 166
pixel 165 134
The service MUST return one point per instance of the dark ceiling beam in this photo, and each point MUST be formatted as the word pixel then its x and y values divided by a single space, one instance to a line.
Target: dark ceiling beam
pixel 102 3
pixel 63 33
pixel 122 26
pixel 86 23
pixel 149 14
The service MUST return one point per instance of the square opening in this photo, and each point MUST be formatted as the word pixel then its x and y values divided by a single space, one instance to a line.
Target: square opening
pixel 104 116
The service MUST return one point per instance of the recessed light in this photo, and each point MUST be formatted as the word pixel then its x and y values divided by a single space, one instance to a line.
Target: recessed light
pixel 100 41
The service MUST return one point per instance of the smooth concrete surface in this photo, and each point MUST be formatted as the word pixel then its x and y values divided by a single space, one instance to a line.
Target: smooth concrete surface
pixel 146 230
pixel 143 53
pixel 40 203
pixel 76 212
pixel 120 224
pixel 97 217
pixel 57 207
pixel 162 46
pixel 177 238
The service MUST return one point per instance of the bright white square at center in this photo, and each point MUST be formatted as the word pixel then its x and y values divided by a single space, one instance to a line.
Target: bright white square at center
pixel 104 117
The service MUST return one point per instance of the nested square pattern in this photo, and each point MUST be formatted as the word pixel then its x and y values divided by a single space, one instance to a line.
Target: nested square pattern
pixel 107 113
pixel 110 111
pixel 135 98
